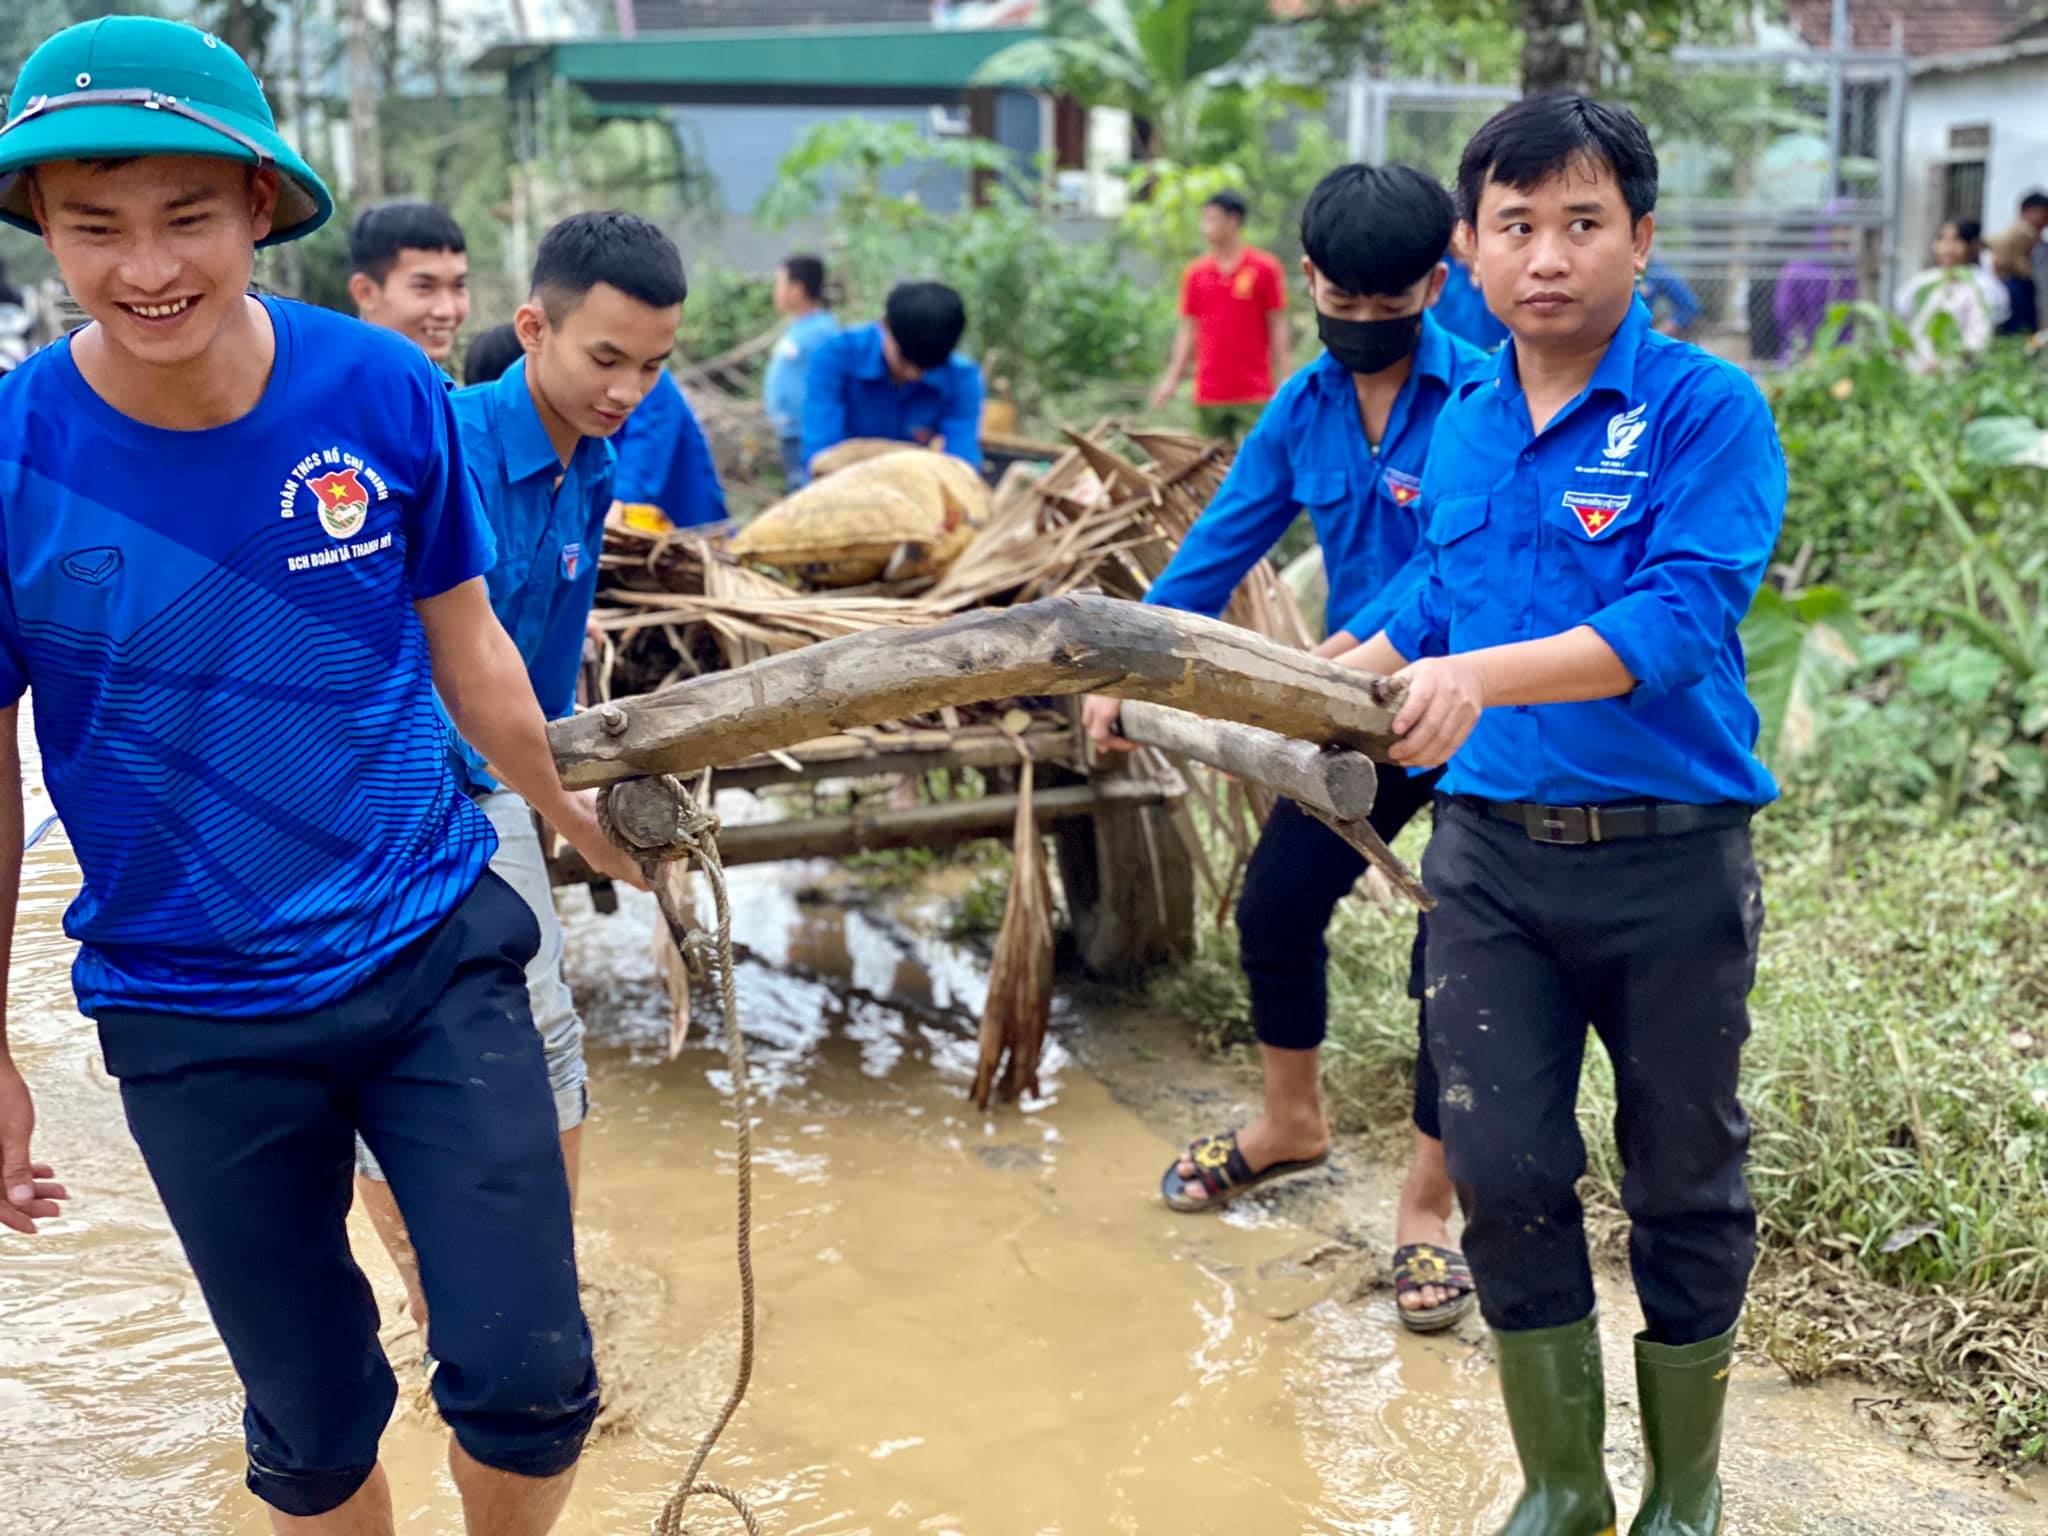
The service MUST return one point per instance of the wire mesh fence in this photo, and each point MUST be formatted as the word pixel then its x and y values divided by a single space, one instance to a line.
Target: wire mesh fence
pixel 1780 172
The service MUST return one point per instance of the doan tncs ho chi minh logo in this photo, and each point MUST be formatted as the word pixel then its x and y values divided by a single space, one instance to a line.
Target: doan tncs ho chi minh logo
pixel 339 487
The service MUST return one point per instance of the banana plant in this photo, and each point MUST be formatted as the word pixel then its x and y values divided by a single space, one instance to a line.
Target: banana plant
pixel 1152 58
pixel 1800 650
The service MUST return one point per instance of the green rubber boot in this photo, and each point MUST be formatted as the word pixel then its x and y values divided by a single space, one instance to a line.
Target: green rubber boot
pixel 1683 1390
pixel 1557 1408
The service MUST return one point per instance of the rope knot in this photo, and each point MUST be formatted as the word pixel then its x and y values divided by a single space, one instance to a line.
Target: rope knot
pixel 659 820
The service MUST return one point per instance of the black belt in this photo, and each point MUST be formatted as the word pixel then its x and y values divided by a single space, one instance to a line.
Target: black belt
pixel 1572 825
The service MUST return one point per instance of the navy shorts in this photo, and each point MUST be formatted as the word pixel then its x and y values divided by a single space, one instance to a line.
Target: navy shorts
pixel 248 1127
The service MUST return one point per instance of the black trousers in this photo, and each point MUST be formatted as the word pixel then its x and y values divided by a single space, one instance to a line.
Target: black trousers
pixel 1297 875
pixel 1653 943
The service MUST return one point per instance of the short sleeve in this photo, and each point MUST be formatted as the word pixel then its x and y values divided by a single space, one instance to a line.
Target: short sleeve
pixel 447 540
pixel 1187 292
pixel 1276 285
pixel 13 659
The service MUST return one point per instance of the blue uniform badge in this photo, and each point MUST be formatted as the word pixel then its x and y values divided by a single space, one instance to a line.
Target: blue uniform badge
pixel 572 561
pixel 1596 513
pixel 1403 487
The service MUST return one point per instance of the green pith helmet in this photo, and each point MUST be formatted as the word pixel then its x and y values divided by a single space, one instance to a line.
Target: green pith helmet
pixel 134 85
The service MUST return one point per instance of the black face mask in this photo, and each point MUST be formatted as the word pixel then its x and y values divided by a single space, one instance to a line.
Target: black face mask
pixel 1370 346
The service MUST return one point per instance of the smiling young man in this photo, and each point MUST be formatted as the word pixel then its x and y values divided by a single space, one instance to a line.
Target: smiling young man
pixel 595 333
pixel 1601 510
pixel 899 379
pixel 409 272
pixel 240 558
pixel 1347 438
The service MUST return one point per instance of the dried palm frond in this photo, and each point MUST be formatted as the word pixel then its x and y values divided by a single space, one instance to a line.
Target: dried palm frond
pixel 1019 1006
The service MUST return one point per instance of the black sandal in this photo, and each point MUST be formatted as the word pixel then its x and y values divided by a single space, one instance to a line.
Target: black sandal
pixel 1425 1264
pixel 1222 1174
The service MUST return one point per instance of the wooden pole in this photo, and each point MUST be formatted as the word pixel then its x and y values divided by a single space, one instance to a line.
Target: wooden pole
pixel 1339 783
pixel 924 826
pixel 1061 645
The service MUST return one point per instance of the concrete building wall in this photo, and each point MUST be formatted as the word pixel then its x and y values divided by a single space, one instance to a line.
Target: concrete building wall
pixel 2008 99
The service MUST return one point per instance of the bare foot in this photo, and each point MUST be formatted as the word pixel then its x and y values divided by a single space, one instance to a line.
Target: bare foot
pixel 1424 1214
pixel 1264 1142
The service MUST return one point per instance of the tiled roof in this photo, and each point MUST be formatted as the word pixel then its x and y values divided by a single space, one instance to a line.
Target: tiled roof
pixel 1927 26
pixel 682 15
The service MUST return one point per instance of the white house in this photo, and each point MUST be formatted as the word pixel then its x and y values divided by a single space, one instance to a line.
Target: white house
pixel 1976 135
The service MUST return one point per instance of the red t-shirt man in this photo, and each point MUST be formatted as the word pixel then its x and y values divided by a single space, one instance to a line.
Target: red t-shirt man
pixel 1233 326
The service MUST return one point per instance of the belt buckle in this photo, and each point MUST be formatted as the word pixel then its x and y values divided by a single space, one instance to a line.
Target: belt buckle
pixel 1562 826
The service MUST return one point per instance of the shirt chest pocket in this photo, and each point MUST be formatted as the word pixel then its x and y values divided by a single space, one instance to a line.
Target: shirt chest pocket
pixel 1459 552
pixel 1323 491
pixel 1595 536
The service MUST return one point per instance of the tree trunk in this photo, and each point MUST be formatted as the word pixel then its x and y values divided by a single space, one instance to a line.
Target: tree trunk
pixel 390 61
pixel 1557 47
pixel 366 145
pixel 444 118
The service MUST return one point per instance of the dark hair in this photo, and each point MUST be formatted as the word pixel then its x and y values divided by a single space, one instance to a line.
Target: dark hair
pixel 927 320
pixel 1524 145
pixel 383 233
pixel 621 249
pixel 808 273
pixel 1377 228
pixel 490 353
pixel 1230 202
pixel 2034 199
pixel 1969 231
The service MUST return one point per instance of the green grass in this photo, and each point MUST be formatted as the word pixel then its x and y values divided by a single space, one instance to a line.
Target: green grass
pixel 1897 1078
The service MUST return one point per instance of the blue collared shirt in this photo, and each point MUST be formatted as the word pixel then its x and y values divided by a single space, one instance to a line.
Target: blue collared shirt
pixel 1648 509
pixel 1461 310
pixel 789 365
pixel 548 537
pixel 1309 451
pixel 849 393
pixel 663 460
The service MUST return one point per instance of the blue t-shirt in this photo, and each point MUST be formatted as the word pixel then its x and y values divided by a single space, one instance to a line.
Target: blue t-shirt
pixel 663 460
pixel 548 538
pixel 849 393
pixel 233 695
pixel 789 365
pixel 1309 451
pixel 1647 510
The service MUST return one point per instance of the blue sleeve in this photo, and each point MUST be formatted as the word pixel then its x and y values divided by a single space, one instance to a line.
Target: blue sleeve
pixel 1391 598
pixel 559 660
pixel 703 497
pixel 1420 626
pixel 447 540
pixel 961 427
pixel 1667 285
pixel 1720 502
pixel 1255 505
pixel 647 445
pixel 825 400
pixel 13 662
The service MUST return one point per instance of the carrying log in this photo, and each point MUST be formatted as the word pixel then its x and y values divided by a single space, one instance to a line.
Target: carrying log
pixel 638 816
pixel 1338 783
pixel 1063 645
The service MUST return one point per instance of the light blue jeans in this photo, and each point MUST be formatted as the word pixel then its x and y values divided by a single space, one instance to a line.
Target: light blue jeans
pixel 521 865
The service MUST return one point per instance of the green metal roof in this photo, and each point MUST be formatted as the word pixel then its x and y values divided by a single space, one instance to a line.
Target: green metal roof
pixel 822 58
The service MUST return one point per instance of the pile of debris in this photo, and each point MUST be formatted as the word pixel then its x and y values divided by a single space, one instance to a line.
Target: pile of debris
pixel 1107 516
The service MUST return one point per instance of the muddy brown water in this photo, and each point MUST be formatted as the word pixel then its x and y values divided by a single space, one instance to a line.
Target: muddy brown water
pixel 969 1325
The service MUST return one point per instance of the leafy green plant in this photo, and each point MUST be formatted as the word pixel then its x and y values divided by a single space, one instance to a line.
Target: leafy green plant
pixel 1800 650
pixel 1043 312
pixel 1152 58
pixel 1266 140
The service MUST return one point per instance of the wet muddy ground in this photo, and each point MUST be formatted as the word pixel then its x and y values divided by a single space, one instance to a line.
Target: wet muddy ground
pixel 969 1325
